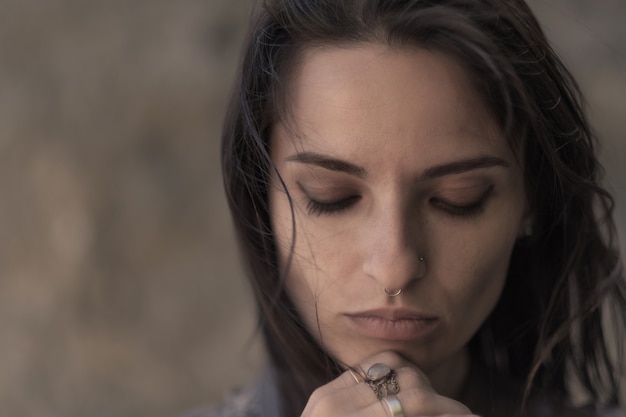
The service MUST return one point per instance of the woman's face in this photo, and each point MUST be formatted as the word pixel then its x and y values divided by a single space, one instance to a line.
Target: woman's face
pixel 390 156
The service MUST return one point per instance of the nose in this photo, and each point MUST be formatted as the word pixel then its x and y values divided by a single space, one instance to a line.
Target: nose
pixel 391 255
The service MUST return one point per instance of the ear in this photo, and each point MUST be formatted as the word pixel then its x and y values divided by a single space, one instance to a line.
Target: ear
pixel 526 223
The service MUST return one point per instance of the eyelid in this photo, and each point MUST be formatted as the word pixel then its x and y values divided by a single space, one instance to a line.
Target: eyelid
pixel 333 207
pixel 339 200
pixel 462 195
pixel 465 209
pixel 324 193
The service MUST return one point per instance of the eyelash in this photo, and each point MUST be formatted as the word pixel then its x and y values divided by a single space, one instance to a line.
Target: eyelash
pixel 464 210
pixel 467 210
pixel 319 208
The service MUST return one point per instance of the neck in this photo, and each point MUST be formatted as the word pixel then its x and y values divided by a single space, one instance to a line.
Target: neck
pixel 448 379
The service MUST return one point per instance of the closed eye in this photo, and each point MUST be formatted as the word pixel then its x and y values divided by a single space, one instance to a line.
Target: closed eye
pixel 318 208
pixel 469 209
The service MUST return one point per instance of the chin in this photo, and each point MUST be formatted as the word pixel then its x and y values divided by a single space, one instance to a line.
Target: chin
pixel 421 357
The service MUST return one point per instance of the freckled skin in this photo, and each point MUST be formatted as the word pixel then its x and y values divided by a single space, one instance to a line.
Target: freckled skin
pixel 395 113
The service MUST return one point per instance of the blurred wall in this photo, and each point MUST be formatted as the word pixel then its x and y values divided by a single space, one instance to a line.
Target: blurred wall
pixel 121 293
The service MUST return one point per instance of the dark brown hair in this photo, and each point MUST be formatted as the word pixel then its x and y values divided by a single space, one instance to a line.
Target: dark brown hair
pixel 562 280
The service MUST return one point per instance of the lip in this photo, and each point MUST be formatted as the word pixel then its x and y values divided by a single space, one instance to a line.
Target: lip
pixel 393 324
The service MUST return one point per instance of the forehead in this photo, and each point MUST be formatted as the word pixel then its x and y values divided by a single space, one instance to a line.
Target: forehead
pixel 356 99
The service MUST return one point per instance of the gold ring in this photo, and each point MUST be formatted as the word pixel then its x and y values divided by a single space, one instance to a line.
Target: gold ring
pixel 357 377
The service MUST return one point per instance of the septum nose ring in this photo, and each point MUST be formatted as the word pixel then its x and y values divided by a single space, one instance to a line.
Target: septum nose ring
pixel 420 275
pixel 393 294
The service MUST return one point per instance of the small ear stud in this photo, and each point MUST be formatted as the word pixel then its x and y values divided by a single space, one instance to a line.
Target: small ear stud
pixel 528 231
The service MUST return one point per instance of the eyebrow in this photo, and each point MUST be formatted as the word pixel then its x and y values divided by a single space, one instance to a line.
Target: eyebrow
pixel 464 165
pixel 329 163
pixel 456 167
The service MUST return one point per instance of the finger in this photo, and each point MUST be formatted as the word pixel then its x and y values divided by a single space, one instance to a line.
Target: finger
pixel 344 381
pixel 389 358
pixel 412 377
pixel 421 402
pixel 427 409
pixel 415 394
pixel 339 398
pixel 356 375
pixel 452 415
pixel 407 374
pixel 395 362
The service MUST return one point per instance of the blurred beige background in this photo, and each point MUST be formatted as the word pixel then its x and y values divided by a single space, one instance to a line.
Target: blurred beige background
pixel 120 291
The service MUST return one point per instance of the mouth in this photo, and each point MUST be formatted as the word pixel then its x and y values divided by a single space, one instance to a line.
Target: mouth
pixel 393 324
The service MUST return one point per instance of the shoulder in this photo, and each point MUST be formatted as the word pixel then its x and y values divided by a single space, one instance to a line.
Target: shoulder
pixel 258 399
pixel 241 403
pixel 609 411
pixel 546 410
pixel 494 395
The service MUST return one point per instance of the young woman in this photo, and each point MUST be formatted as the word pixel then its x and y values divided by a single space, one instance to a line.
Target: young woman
pixel 415 190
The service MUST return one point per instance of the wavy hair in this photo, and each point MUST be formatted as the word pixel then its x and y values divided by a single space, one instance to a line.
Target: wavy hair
pixel 563 281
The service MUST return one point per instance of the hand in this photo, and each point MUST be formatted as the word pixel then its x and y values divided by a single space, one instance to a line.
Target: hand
pixel 344 397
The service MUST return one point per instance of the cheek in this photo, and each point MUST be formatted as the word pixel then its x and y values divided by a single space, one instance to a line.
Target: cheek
pixel 282 229
pixel 480 267
pixel 474 256
pixel 320 268
pixel 489 277
pixel 320 253
pixel 305 281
